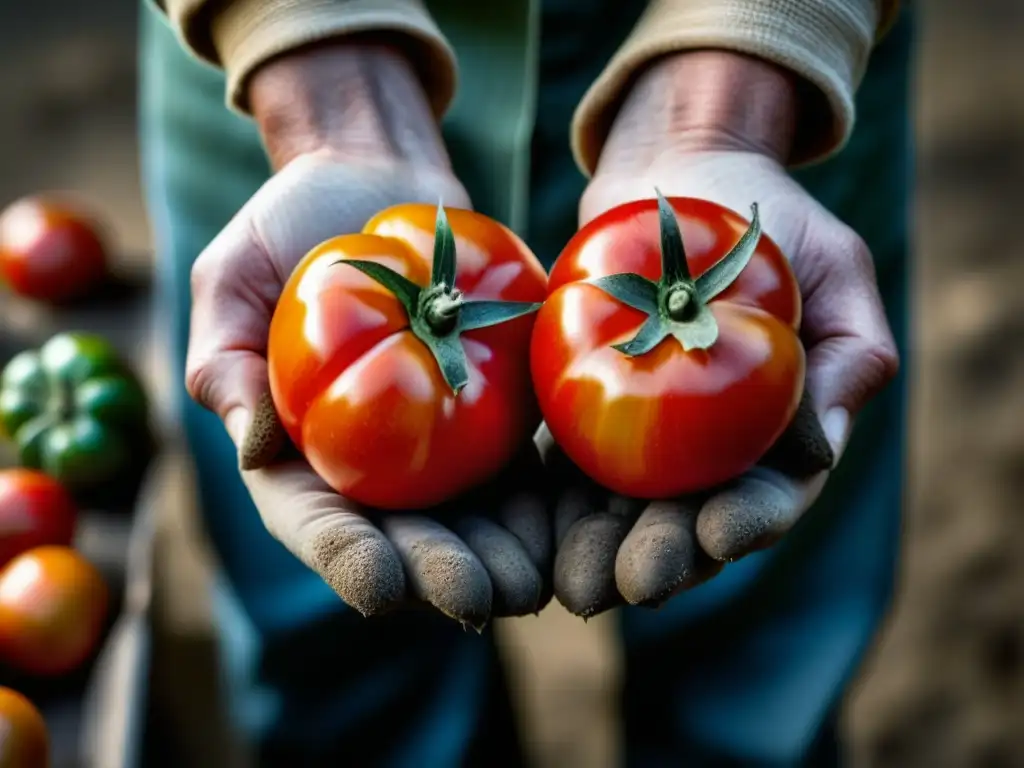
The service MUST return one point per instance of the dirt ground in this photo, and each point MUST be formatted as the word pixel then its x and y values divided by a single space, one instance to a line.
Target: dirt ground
pixel 946 684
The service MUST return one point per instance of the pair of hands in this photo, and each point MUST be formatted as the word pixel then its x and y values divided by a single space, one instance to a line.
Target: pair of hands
pixel 496 558
pixel 542 527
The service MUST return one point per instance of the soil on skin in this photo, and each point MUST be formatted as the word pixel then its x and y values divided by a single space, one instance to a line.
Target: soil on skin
pixel 945 686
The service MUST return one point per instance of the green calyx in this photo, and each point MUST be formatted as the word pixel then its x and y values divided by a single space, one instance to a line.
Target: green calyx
pixel 439 313
pixel 677 304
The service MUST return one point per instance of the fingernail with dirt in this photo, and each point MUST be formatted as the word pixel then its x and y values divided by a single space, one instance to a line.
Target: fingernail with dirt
pixel 748 516
pixel 440 568
pixel 585 564
pixel 515 582
pixel 660 556
pixel 262 438
pixel 803 449
pixel 359 564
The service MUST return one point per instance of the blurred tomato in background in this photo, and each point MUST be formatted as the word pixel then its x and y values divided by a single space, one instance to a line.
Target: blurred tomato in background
pixel 24 742
pixel 34 510
pixel 49 250
pixel 53 609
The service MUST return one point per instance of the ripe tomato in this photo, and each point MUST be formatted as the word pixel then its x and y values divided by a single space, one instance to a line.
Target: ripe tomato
pixel 24 742
pixel 404 382
pixel 53 607
pixel 34 510
pixel 48 251
pixel 716 372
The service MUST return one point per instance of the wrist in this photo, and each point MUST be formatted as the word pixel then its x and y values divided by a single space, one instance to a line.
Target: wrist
pixel 707 100
pixel 356 96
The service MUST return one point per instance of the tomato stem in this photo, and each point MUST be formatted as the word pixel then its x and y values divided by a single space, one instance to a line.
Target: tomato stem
pixel 680 302
pixel 678 305
pixel 439 313
pixel 441 310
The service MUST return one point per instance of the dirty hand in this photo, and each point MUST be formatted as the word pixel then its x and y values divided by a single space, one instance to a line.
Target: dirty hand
pixel 373 146
pixel 612 550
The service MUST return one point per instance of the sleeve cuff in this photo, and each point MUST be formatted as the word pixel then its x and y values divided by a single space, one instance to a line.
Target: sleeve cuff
pixel 240 35
pixel 826 42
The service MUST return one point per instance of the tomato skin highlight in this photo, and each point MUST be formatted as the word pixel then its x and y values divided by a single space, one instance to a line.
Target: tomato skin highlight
pixel 361 396
pixel 49 252
pixel 667 422
pixel 53 610
pixel 35 510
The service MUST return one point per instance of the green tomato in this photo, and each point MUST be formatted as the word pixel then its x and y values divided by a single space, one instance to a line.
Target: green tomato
pixel 73 409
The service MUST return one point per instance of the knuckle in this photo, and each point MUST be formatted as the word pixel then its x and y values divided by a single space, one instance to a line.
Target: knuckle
pixel 872 366
pixel 883 360
pixel 199 383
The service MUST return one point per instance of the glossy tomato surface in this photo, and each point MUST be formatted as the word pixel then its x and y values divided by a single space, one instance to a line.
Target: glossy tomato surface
pixel 363 398
pixel 48 251
pixel 670 421
pixel 24 741
pixel 34 510
pixel 53 610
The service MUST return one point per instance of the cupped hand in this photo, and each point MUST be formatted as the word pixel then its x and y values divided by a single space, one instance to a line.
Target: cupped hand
pixel 493 559
pixel 613 550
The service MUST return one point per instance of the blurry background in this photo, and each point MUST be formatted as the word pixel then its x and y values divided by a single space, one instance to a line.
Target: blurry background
pixel 946 684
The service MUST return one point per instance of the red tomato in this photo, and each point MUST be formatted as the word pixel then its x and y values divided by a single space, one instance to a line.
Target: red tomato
pixel 362 395
pixel 53 609
pixel 48 251
pixel 24 742
pixel 34 510
pixel 670 421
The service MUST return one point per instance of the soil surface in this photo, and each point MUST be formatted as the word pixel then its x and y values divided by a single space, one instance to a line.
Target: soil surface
pixel 945 686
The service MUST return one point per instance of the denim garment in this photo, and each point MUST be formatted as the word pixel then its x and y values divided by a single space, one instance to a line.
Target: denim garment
pixel 747 669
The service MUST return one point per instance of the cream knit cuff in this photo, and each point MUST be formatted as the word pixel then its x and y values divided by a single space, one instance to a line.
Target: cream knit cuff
pixel 240 35
pixel 827 42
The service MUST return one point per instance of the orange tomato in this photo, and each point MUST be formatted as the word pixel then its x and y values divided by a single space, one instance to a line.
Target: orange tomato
pixel 663 386
pixel 24 742
pixel 49 251
pixel 398 396
pixel 35 510
pixel 53 608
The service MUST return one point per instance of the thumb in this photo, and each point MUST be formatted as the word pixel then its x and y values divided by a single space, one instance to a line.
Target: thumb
pixel 226 368
pixel 851 351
